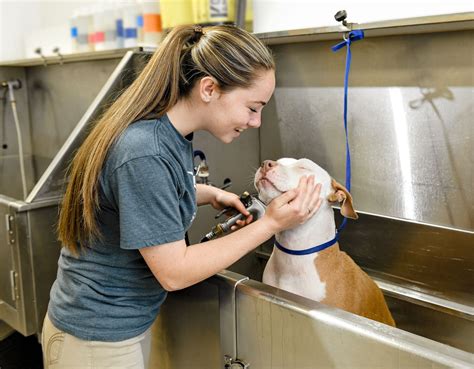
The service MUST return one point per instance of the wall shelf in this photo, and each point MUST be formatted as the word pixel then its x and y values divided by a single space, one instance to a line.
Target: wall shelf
pixel 437 23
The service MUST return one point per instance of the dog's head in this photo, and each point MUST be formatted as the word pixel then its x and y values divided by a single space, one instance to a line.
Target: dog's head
pixel 276 177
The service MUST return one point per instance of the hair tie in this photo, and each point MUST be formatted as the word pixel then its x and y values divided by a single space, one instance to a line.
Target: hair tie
pixel 198 29
pixel 196 36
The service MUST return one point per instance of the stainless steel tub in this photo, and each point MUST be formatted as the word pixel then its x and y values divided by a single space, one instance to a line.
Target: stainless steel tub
pixel 230 316
pixel 423 314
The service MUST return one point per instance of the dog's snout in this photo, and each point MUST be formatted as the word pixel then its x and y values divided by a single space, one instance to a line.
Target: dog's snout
pixel 268 164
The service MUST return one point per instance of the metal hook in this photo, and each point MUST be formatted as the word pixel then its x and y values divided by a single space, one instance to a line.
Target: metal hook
pixel 341 16
pixel 56 51
pixel 38 51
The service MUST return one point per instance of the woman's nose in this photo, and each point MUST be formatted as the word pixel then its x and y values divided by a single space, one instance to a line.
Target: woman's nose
pixel 255 122
pixel 268 164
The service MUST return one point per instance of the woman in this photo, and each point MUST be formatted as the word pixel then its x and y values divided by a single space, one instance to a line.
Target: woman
pixel 131 197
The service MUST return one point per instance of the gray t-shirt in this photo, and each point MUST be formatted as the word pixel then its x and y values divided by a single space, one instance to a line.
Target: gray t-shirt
pixel 147 197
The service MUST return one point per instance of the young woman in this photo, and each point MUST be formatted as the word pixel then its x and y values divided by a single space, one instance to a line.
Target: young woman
pixel 131 197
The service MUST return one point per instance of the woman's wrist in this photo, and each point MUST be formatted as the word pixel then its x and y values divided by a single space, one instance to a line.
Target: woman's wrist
pixel 270 224
pixel 205 194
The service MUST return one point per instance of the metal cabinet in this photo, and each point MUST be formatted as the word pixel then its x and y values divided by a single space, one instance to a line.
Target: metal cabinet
pixel 55 105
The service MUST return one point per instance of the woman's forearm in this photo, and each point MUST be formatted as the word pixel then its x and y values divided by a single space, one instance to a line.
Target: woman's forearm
pixel 205 259
pixel 177 266
pixel 204 194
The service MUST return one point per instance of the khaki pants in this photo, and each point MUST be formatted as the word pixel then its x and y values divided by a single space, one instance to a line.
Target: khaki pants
pixel 63 351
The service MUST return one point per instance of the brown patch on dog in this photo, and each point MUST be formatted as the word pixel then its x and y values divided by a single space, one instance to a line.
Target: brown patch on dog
pixel 349 288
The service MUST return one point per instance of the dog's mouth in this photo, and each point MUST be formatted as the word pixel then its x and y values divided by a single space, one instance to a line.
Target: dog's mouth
pixel 264 180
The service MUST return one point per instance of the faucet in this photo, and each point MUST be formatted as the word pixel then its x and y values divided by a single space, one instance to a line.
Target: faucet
pixel 202 170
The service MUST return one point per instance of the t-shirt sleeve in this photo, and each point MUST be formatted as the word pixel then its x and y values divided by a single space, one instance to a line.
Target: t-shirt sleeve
pixel 147 197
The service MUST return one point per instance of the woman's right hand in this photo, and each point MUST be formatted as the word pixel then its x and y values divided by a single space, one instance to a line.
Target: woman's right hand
pixel 294 207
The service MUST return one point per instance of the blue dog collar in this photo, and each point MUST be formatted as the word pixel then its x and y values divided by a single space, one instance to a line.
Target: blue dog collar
pixel 311 250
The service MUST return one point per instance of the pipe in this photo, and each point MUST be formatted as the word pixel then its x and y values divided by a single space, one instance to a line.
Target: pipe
pixel 12 85
pixel 240 9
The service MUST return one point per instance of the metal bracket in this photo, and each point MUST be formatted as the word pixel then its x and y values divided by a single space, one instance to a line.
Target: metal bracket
pixel 231 363
pixel 14 285
pixel 226 282
pixel 10 224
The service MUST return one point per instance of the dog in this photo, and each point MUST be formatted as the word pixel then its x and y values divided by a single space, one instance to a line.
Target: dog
pixel 329 276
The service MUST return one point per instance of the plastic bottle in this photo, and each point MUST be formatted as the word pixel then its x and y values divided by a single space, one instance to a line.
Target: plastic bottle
pixel 118 18
pixel 99 15
pixel 73 31
pixel 175 13
pixel 152 30
pixel 109 26
pixel 140 32
pixel 130 14
pixel 84 30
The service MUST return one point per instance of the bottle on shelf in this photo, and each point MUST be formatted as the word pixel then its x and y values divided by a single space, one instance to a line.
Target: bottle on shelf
pixel 73 31
pixel 130 14
pixel 152 28
pixel 85 31
pixel 175 13
pixel 99 16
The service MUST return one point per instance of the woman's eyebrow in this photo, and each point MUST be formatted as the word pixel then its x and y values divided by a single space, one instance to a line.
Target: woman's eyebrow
pixel 259 102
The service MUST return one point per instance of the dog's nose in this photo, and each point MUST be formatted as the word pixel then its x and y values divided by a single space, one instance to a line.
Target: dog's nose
pixel 268 164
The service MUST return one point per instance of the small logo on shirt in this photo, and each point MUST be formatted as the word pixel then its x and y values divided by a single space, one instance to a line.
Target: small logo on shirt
pixel 194 178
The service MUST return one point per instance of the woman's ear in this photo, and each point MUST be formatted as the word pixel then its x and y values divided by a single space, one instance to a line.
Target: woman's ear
pixel 340 194
pixel 208 89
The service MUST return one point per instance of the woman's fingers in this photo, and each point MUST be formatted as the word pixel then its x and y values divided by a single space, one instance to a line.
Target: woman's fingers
pixel 315 209
pixel 305 191
pixel 295 206
pixel 308 201
pixel 242 223
pixel 315 201
pixel 245 221
pixel 237 204
pixel 309 191
pixel 302 188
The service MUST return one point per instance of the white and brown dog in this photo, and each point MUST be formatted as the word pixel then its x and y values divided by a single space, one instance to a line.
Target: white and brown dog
pixel 329 276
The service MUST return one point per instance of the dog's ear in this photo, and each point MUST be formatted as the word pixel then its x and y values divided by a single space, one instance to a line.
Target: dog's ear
pixel 344 198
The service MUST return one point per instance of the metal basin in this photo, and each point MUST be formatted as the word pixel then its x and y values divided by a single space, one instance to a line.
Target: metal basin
pixel 416 312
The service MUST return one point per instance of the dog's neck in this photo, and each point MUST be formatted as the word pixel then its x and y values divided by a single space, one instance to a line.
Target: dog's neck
pixel 316 231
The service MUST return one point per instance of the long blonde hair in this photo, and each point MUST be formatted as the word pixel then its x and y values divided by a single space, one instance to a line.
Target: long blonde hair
pixel 229 54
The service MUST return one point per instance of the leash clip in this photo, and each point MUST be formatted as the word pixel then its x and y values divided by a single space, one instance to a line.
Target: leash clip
pixel 341 16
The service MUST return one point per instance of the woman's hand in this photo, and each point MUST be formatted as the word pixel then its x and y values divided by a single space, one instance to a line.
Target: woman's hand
pixel 294 207
pixel 224 199
pixel 220 199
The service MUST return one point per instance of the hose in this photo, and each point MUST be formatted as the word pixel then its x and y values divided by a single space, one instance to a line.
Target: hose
pixel 11 85
pixel 20 149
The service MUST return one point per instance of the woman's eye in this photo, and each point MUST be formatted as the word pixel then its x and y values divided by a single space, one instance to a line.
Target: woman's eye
pixel 253 110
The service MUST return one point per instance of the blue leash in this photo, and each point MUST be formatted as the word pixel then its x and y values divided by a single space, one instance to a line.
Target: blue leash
pixel 352 36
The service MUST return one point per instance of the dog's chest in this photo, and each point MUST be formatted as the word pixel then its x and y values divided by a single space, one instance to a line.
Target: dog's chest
pixel 296 274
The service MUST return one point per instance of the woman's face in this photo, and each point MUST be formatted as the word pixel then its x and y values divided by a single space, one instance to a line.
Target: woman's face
pixel 233 112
